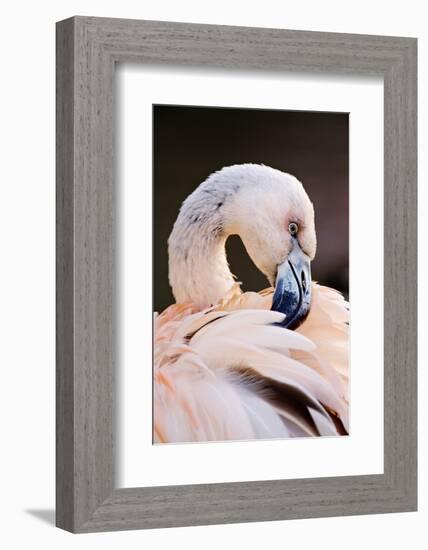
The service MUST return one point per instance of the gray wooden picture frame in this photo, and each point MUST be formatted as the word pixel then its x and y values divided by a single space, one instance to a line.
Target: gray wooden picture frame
pixel 87 51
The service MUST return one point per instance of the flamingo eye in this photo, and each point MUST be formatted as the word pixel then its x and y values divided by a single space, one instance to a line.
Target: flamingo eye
pixel 293 228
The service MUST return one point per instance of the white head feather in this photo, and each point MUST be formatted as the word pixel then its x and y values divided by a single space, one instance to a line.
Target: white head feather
pixel 253 201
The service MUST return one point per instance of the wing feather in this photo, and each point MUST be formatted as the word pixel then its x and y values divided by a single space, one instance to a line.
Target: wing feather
pixel 228 373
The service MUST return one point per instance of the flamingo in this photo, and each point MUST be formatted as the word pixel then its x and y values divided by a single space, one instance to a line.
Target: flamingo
pixel 230 365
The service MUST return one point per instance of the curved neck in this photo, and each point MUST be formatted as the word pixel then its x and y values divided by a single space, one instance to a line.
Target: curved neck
pixel 198 269
pixel 227 203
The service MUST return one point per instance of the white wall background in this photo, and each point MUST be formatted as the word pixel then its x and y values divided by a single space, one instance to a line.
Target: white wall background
pixel 27 271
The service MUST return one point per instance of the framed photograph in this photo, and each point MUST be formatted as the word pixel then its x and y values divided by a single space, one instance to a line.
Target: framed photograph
pixel 236 274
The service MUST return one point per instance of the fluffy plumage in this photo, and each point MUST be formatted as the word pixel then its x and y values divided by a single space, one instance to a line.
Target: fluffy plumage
pixel 223 369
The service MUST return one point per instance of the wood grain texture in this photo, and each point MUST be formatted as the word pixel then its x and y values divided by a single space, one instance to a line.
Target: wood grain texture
pixel 87 50
pixel 64 277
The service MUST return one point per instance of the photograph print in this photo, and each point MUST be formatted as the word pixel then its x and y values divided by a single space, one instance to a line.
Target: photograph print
pixel 250 276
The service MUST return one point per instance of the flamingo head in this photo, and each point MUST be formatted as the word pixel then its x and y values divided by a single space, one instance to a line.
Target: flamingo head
pixel 275 220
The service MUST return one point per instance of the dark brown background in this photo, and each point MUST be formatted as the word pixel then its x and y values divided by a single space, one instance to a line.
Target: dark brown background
pixel 192 142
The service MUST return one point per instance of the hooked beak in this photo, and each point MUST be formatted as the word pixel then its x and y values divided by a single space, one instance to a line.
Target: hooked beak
pixel 293 288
